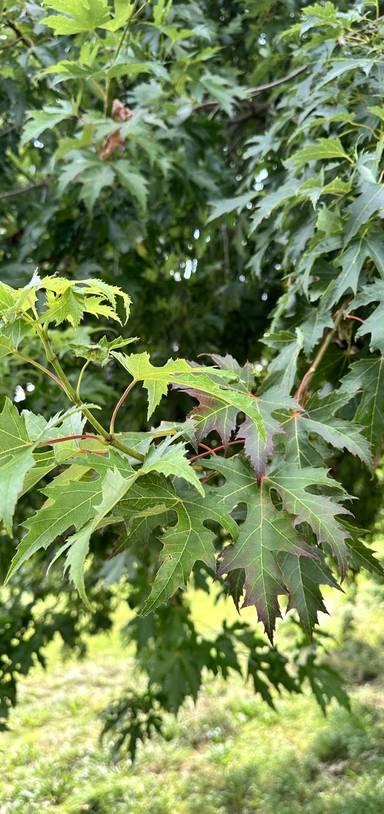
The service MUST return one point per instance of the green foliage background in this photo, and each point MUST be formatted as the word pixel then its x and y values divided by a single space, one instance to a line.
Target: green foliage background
pixel 221 162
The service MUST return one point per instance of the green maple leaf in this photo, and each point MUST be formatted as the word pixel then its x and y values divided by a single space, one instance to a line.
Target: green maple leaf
pixel 366 377
pixel 370 200
pixel 99 352
pixel 153 496
pixel 303 577
pixel 71 504
pixel 283 366
pixel 351 263
pixel 264 535
pixel 272 200
pixel 374 324
pixel 47 119
pixel 6 346
pixel 77 15
pixel 361 556
pixel 313 327
pixel 319 511
pixel 224 206
pixel 322 149
pixel 340 434
pixel 169 458
pixel 267 545
pixel 7 297
pixel 69 300
pixel 113 488
pixel 86 15
pixel 16 460
pixel 11 335
pixel 186 543
pixel 213 381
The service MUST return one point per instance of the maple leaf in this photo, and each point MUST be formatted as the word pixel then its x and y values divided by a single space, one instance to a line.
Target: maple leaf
pixel 368 202
pixel 211 415
pixel 374 324
pixel 323 148
pixel 334 431
pixel 303 577
pixel 169 458
pixel 212 381
pixel 184 543
pixel 319 511
pixel 366 379
pixel 71 504
pixel 113 488
pixel 351 263
pixel 264 537
pixel 264 534
pixel 16 460
pixel 257 449
pixel 283 366
pixel 86 15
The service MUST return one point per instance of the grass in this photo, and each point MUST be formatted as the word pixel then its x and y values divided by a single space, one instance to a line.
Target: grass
pixel 229 754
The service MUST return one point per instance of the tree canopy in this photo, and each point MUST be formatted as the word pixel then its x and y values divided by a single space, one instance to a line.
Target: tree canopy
pixel 191 322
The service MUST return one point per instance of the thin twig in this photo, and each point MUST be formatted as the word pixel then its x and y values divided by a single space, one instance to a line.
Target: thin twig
pixel 71 394
pixel 11 193
pixel 303 386
pixel 7 130
pixel 212 104
pixel 221 448
pixel 19 33
pixel 45 370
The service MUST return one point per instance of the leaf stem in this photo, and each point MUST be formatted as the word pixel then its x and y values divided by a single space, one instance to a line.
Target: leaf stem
pixel 80 379
pixel 72 396
pixel 11 193
pixel 357 319
pixel 213 451
pixel 45 370
pixel 81 436
pixel 119 404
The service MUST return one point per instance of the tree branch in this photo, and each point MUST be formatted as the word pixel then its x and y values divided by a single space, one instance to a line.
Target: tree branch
pixel 21 190
pixel 211 104
pixel 303 386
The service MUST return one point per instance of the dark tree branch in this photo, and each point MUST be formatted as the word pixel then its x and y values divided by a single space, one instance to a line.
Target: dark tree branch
pixel 11 193
pixel 210 104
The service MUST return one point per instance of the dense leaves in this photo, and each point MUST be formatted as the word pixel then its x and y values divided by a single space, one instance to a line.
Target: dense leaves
pixel 145 150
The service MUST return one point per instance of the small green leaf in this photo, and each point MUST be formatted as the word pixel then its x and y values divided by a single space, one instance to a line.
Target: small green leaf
pixel 76 16
pixel 370 200
pixel 323 149
pixel 133 181
pixel 228 205
pixel 16 460
pixel 47 119
pixel 170 459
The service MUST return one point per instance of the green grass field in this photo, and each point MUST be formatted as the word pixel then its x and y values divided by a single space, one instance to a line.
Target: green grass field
pixel 230 754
